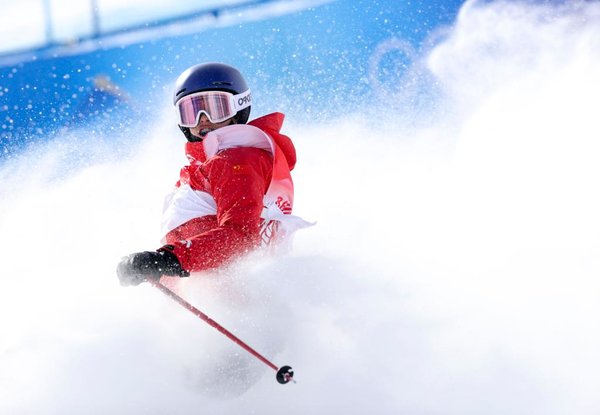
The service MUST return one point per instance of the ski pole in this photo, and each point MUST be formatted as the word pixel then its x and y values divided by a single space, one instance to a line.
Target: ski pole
pixel 284 373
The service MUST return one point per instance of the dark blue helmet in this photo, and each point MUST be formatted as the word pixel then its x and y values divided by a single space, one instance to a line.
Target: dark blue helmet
pixel 212 76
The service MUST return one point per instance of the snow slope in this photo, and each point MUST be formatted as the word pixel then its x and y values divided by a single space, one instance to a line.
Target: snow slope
pixel 453 270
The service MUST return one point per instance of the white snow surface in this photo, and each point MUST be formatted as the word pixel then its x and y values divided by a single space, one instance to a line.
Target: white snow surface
pixel 453 270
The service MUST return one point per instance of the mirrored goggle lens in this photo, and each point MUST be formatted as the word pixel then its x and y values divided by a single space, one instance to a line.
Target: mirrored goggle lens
pixel 217 107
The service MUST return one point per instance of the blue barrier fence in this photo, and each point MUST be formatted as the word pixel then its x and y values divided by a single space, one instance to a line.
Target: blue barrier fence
pixel 314 61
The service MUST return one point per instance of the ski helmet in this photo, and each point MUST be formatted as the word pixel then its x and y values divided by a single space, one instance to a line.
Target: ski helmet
pixel 211 76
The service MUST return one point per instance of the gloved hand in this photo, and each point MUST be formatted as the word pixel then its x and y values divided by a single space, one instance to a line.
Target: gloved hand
pixel 142 266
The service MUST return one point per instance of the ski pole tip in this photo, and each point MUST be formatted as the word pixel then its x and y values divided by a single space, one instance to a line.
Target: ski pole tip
pixel 285 374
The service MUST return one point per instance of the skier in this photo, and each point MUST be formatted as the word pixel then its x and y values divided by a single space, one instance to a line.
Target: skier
pixel 236 193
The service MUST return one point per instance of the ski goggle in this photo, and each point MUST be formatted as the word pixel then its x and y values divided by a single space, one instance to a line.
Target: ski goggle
pixel 217 105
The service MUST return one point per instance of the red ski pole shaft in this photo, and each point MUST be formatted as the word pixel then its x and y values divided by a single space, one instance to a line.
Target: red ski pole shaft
pixel 213 323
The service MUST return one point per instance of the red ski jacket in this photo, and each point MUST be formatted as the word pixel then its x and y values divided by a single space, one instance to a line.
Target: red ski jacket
pixel 217 210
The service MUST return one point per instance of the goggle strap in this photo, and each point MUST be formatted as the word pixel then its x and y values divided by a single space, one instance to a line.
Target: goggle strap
pixel 243 100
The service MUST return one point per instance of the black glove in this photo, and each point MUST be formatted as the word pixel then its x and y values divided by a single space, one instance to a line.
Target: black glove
pixel 142 266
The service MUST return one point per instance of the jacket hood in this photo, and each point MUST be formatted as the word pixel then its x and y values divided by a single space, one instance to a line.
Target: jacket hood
pixel 271 124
